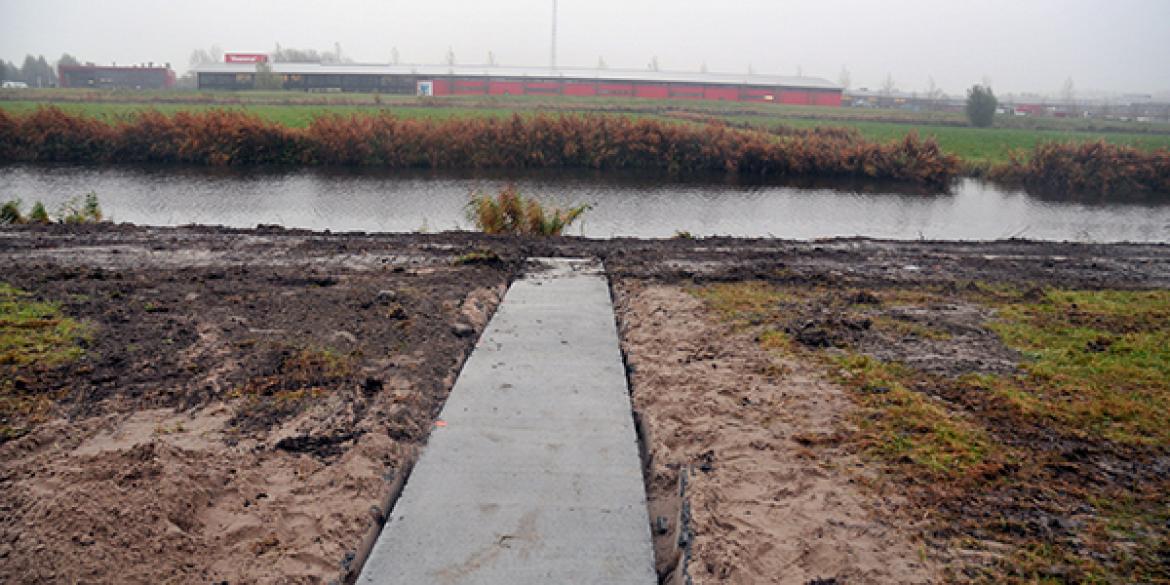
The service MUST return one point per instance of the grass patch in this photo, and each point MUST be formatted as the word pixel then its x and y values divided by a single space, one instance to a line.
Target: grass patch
pixel 34 337
pixel 745 303
pixel 34 333
pixel 481 256
pixel 1139 524
pixel 1127 540
pixel 1098 362
pixel 303 370
pixel 905 426
pixel 897 424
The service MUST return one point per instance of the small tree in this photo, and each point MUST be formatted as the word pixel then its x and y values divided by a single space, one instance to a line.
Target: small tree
pixel 266 79
pixel 981 104
pixel 933 93
pixel 1068 93
pixel 844 78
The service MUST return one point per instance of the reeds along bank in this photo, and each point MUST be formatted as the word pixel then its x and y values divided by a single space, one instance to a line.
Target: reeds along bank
pixel 1089 167
pixel 230 137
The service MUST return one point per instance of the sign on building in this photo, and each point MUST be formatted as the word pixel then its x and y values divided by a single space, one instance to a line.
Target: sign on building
pixel 245 58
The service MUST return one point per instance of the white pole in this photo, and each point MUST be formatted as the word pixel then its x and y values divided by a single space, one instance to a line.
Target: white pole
pixel 553 53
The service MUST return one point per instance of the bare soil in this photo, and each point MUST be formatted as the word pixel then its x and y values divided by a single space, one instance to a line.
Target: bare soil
pixel 247 394
pixel 767 440
pixel 773 496
pixel 231 421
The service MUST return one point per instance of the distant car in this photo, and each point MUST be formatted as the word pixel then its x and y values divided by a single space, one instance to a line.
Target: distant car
pixel 14 85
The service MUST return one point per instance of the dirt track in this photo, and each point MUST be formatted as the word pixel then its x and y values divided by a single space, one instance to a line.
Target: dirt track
pixel 246 391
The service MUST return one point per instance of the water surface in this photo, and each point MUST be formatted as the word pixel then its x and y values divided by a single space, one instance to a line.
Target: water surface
pixel 623 205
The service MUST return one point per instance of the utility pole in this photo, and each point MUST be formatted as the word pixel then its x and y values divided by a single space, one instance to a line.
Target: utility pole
pixel 553 53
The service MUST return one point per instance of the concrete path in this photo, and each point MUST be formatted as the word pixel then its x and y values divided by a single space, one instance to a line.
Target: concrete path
pixel 532 475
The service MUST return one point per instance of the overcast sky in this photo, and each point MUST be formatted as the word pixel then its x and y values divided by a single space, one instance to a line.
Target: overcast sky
pixel 1020 45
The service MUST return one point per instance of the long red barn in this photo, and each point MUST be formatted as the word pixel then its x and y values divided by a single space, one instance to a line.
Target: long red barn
pixel 443 80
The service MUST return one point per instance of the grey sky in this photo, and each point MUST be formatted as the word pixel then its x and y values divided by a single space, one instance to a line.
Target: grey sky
pixel 1021 45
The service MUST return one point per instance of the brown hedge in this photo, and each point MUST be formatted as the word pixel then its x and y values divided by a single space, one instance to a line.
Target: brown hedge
pixel 1090 167
pixel 229 137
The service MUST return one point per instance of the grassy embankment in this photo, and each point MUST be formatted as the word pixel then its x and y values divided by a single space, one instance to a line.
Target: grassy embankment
pixel 1047 473
pixel 975 146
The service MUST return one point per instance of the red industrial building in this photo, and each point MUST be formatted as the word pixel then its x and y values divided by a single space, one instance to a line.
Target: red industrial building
pixel 112 76
pixel 239 71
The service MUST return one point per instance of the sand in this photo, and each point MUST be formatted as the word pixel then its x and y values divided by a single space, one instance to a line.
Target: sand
pixel 773 497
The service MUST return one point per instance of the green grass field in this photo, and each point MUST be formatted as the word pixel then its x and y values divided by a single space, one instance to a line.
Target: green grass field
pixel 295 115
pixel 973 145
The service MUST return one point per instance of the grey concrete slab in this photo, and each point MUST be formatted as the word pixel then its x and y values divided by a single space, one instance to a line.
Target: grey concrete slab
pixel 535 476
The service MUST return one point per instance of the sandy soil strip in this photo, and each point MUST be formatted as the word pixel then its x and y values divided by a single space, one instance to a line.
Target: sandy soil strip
pixel 774 497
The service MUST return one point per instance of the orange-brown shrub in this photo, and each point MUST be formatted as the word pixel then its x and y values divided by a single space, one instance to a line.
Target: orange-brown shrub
pixel 1090 167
pixel 48 134
pixel 231 137
pixel 832 132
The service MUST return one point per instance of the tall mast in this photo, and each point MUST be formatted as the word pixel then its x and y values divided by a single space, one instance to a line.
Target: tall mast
pixel 553 53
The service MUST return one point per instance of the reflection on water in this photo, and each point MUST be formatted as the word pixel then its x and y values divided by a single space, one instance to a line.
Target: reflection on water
pixel 623 205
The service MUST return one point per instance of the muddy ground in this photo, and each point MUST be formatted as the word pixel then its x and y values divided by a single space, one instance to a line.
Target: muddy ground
pixel 245 394
pixel 231 420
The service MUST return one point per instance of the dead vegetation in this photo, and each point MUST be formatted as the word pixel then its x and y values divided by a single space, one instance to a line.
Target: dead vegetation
pixel 1091 167
pixel 227 137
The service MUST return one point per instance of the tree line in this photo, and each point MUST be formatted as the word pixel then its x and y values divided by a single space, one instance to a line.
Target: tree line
pixel 35 71
pixel 279 54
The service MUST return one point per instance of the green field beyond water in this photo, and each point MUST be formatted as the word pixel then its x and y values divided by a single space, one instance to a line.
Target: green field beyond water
pixel 974 145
